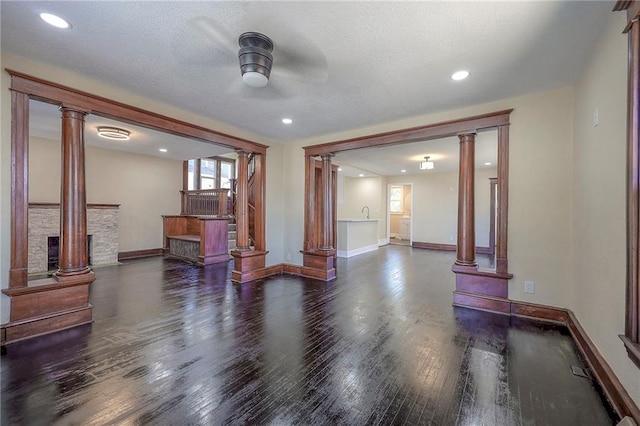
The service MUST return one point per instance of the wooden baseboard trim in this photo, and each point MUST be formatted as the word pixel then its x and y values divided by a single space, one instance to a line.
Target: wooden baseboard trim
pixel 138 254
pixel 539 312
pixel 613 390
pixel 617 396
pixel 445 247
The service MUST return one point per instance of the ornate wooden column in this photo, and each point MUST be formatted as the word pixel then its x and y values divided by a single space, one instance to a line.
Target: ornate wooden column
pixel 52 304
pixel 318 252
pixel 310 243
pixel 249 264
pixel 327 204
pixel 466 253
pixel 72 259
pixel 502 264
pixel 259 189
pixel 19 189
pixel 476 288
pixel 242 202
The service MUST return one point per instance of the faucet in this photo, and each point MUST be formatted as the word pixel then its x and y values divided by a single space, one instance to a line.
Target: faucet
pixel 362 211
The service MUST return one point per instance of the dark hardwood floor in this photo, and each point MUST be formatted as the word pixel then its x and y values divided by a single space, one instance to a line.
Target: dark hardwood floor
pixel 174 344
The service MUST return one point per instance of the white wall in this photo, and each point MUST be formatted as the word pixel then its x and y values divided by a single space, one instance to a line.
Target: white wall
pixel 599 202
pixel 146 187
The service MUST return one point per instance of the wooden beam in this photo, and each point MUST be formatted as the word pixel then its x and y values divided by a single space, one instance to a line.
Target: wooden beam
pixel 50 92
pixel 414 134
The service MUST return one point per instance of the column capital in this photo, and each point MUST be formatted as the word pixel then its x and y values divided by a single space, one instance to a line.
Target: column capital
pixel 467 136
pixel 74 108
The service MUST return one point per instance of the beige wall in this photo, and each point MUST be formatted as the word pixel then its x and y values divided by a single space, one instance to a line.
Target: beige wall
pixel 435 205
pixel 563 233
pixel 541 135
pixel 275 232
pixel 599 201
pixel 364 191
pixel 146 187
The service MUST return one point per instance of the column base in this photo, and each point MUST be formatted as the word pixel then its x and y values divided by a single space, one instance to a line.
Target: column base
pixel 469 279
pixel 319 264
pixel 248 265
pixel 46 306
pixel 486 290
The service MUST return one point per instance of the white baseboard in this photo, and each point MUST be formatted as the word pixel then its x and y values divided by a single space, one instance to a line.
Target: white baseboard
pixel 355 252
pixel 383 242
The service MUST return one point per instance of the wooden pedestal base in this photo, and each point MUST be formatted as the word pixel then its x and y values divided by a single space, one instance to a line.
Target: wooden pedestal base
pixel 46 306
pixel 319 265
pixel 477 289
pixel 248 265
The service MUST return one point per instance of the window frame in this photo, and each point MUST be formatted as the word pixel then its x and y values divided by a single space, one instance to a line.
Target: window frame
pixel 197 172
pixel 631 336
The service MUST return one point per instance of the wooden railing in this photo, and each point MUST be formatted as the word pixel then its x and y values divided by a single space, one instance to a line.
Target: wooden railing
pixel 209 202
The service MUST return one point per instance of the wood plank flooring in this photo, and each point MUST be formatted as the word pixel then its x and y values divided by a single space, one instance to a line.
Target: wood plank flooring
pixel 174 344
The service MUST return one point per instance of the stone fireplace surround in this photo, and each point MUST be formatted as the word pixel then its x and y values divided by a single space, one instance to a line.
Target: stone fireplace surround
pixel 44 222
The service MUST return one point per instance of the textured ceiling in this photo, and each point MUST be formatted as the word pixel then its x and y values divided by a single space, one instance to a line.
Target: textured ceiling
pixel 337 65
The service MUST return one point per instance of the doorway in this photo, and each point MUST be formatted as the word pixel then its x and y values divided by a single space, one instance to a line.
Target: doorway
pixel 399 213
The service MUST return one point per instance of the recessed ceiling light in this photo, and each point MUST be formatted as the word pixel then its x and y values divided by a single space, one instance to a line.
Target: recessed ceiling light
pixel 287 120
pixel 163 150
pixel 113 133
pixel 361 175
pixel 487 164
pixel 54 20
pixel 339 169
pixel 403 171
pixel 460 75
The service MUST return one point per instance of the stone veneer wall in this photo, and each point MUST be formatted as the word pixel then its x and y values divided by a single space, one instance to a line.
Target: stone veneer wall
pixel 102 224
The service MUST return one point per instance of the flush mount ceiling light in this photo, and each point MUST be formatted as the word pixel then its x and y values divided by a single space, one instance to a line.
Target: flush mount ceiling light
pixel 426 164
pixel 287 120
pixel 113 133
pixel 460 75
pixel 54 20
pixel 255 58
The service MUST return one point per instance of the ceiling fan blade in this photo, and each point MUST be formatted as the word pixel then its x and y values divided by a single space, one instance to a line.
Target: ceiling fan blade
pixel 216 34
pixel 301 61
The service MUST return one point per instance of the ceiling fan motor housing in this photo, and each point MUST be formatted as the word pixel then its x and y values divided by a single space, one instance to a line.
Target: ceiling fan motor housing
pixel 255 53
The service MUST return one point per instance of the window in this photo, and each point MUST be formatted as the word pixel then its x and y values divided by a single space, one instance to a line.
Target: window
pixel 209 173
pixel 395 199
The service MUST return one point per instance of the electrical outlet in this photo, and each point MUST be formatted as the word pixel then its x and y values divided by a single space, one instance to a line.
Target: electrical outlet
pixel 529 287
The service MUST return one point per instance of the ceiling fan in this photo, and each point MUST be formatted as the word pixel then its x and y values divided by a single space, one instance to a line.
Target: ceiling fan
pixel 255 58
pixel 273 66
